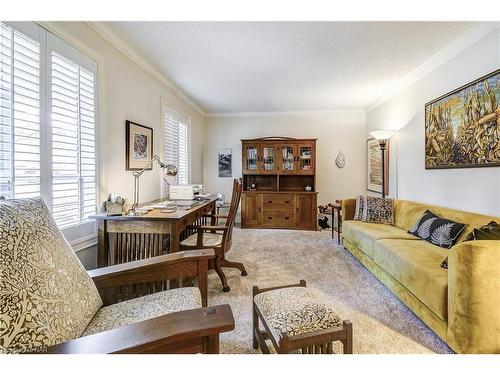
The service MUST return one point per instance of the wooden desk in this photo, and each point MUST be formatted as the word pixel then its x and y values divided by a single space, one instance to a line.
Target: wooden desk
pixel 127 238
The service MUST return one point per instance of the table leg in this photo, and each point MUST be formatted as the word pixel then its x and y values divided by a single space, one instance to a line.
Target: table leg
pixel 102 244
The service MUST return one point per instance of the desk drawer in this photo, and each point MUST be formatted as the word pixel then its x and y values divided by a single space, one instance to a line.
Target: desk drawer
pixel 277 218
pixel 278 201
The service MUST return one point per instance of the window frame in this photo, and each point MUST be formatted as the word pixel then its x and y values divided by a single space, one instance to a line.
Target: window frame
pixel 84 233
pixel 169 108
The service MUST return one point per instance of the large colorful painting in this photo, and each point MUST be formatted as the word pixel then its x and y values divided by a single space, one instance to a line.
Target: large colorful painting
pixel 462 128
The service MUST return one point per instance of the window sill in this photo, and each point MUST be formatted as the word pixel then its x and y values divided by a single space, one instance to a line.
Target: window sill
pixel 81 236
pixel 83 243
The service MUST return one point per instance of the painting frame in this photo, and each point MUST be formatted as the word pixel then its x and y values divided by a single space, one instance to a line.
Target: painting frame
pixel 373 149
pixel 138 146
pixel 449 95
pixel 225 162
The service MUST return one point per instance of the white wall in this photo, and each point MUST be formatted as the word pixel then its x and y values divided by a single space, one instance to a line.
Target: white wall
pixel 471 189
pixel 127 92
pixel 342 130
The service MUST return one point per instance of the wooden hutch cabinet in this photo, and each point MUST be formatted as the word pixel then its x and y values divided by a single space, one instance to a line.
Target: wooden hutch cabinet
pixel 279 183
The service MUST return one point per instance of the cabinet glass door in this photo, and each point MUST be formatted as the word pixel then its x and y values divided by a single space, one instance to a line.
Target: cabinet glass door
pixel 269 158
pixel 251 158
pixel 305 158
pixel 287 159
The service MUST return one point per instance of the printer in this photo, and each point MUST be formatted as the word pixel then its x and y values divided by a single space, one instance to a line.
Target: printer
pixel 185 192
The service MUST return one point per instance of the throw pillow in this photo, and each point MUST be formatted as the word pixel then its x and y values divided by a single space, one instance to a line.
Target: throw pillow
pixel 46 295
pixel 490 231
pixel 358 214
pixel 378 210
pixel 436 230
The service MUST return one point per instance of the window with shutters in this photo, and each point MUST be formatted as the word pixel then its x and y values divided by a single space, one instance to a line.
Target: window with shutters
pixel 177 146
pixel 47 123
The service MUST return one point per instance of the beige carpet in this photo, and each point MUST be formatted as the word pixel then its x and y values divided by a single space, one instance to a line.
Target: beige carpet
pixel 381 323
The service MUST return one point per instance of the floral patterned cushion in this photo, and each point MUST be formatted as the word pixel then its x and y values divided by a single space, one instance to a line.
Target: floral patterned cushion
pixel 209 239
pixel 143 308
pixel 378 210
pixel 46 296
pixel 294 311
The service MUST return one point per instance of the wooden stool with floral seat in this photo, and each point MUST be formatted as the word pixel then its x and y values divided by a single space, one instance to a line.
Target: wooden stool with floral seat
pixel 297 319
pixel 218 237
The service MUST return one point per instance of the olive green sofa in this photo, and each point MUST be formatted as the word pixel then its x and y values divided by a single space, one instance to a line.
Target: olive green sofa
pixel 461 304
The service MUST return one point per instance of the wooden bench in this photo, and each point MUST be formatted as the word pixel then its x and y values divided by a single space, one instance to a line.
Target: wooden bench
pixel 296 319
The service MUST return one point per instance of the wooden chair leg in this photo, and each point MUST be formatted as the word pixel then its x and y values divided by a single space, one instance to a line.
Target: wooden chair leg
pixel 255 320
pixel 347 342
pixel 237 265
pixel 218 269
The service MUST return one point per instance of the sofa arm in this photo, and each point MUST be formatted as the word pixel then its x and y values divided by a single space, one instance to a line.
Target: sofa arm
pixel 474 297
pixel 348 209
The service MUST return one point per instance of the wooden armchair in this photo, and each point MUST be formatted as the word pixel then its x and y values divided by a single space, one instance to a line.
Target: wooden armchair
pixel 189 331
pixel 50 304
pixel 218 237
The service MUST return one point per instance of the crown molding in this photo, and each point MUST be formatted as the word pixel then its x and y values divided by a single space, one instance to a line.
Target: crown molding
pixel 458 45
pixel 128 51
pixel 356 112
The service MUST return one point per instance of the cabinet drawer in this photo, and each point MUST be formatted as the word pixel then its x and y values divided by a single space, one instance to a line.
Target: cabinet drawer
pixel 277 218
pixel 277 201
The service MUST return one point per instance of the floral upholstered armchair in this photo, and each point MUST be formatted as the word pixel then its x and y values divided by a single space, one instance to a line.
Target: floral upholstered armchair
pixel 49 303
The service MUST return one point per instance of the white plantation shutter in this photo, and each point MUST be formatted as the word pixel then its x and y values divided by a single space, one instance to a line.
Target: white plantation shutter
pixel 73 141
pixel 19 114
pixel 47 125
pixel 177 143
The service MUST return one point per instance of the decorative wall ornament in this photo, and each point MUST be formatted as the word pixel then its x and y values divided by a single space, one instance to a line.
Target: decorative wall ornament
pixel 138 146
pixel 225 160
pixel 340 160
pixel 462 128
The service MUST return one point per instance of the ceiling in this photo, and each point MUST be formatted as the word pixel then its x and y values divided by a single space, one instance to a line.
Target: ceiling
pixel 286 66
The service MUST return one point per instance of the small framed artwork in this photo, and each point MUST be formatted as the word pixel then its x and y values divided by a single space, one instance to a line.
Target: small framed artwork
pixel 225 160
pixel 138 145
pixel 374 166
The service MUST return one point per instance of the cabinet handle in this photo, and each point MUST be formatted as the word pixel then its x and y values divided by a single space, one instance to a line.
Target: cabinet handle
pixel 269 201
pixel 259 209
pixel 287 201
pixel 287 218
pixel 270 217
pixel 297 210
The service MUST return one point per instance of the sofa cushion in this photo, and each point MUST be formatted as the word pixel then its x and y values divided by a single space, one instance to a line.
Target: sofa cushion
pixel 46 296
pixel 378 210
pixel 406 213
pixel 364 234
pixel 437 230
pixel 144 308
pixel 415 264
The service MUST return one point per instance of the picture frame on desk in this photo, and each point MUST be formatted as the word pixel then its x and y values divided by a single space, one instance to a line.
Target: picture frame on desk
pixel 138 146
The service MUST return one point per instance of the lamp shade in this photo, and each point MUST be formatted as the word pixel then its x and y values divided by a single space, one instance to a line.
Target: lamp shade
pixel 384 134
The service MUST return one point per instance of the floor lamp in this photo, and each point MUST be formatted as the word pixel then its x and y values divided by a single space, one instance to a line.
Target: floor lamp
pixel 382 136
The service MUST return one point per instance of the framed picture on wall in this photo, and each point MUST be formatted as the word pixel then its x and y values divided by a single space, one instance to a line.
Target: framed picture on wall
pixel 138 145
pixel 225 160
pixel 374 166
pixel 461 127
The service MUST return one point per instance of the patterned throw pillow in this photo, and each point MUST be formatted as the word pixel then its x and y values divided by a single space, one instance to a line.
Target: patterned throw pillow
pixel 378 210
pixel 436 230
pixel 358 215
pixel 46 296
pixel 490 231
